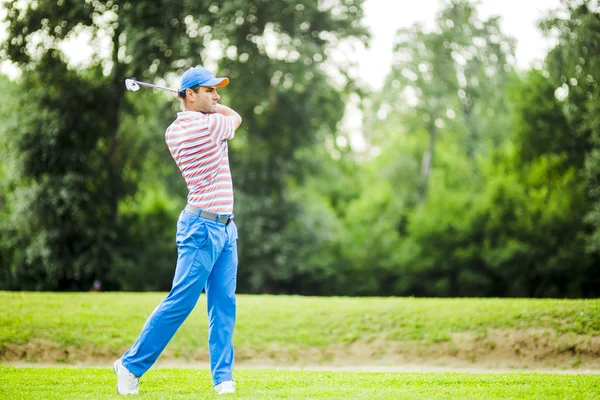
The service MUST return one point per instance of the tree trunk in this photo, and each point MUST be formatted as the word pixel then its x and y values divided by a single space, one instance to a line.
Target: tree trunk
pixel 427 161
pixel 114 164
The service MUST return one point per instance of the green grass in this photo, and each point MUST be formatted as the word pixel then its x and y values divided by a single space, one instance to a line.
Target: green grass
pixel 107 323
pixel 96 383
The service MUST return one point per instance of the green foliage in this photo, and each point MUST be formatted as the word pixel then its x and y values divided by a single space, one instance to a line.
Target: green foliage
pixel 451 78
pixel 60 204
pixel 534 228
pixel 290 107
pixel 519 235
pixel 541 126
pixel 146 261
pixel 509 222
pixel 475 180
pixel 146 253
pixel 75 157
pixel 574 66
pixel 7 252
pixel 284 95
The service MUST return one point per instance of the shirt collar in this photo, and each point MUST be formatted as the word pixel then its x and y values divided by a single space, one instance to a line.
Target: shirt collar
pixel 187 114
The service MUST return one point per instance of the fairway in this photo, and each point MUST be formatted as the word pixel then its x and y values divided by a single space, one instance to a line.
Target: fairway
pixel 62 345
pixel 92 329
pixel 96 383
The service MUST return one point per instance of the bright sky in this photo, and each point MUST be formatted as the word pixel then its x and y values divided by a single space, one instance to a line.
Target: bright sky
pixel 518 19
pixel 384 17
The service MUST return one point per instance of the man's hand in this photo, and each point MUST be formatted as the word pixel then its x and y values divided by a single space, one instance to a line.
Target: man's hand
pixel 228 112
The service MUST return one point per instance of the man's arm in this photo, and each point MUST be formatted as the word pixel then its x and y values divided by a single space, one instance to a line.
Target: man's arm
pixel 228 112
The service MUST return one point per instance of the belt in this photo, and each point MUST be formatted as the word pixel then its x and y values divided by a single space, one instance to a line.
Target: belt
pixel 208 215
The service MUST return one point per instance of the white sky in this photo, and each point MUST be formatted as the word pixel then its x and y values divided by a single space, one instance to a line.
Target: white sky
pixel 384 17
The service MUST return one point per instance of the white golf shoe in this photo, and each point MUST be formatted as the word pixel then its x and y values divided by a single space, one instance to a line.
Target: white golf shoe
pixel 225 387
pixel 127 383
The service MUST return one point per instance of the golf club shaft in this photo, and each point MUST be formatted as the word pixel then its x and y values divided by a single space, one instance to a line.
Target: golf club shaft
pixel 154 86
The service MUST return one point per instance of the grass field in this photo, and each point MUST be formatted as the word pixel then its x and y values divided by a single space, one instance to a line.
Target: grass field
pixel 96 383
pixel 51 345
pixel 80 327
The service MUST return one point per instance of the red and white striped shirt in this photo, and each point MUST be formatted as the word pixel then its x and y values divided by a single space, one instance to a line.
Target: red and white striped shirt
pixel 198 144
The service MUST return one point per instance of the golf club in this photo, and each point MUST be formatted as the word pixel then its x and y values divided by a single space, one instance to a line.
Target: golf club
pixel 134 86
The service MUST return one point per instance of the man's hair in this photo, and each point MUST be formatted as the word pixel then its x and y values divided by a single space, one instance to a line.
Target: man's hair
pixel 182 93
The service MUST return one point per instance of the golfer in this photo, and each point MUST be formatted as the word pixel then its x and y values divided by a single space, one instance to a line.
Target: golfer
pixel 206 236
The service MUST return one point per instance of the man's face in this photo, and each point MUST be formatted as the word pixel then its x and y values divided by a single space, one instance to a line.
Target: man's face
pixel 205 101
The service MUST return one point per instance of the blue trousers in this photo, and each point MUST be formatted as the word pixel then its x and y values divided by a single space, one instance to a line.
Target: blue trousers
pixel 207 259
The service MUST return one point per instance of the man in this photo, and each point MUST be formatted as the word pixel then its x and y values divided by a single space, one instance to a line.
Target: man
pixel 206 236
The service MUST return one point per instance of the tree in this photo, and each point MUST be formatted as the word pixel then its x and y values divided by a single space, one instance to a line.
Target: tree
pixel 574 68
pixel 541 127
pixel 282 92
pixel 290 107
pixel 452 77
pixel 7 252
pixel 503 215
pixel 520 235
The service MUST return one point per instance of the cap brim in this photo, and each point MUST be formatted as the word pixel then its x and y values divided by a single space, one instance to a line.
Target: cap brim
pixel 218 82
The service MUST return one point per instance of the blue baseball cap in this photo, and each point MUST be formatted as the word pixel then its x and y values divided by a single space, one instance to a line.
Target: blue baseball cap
pixel 200 76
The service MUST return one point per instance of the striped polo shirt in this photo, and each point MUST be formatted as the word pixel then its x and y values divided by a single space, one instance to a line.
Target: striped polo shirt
pixel 198 144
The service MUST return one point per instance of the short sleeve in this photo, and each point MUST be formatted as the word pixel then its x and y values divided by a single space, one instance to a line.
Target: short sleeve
pixel 220 128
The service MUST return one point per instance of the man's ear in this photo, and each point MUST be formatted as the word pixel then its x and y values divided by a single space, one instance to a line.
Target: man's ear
pixel 190 95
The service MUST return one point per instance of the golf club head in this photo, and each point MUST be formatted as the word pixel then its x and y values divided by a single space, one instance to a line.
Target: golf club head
pixel 130 84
